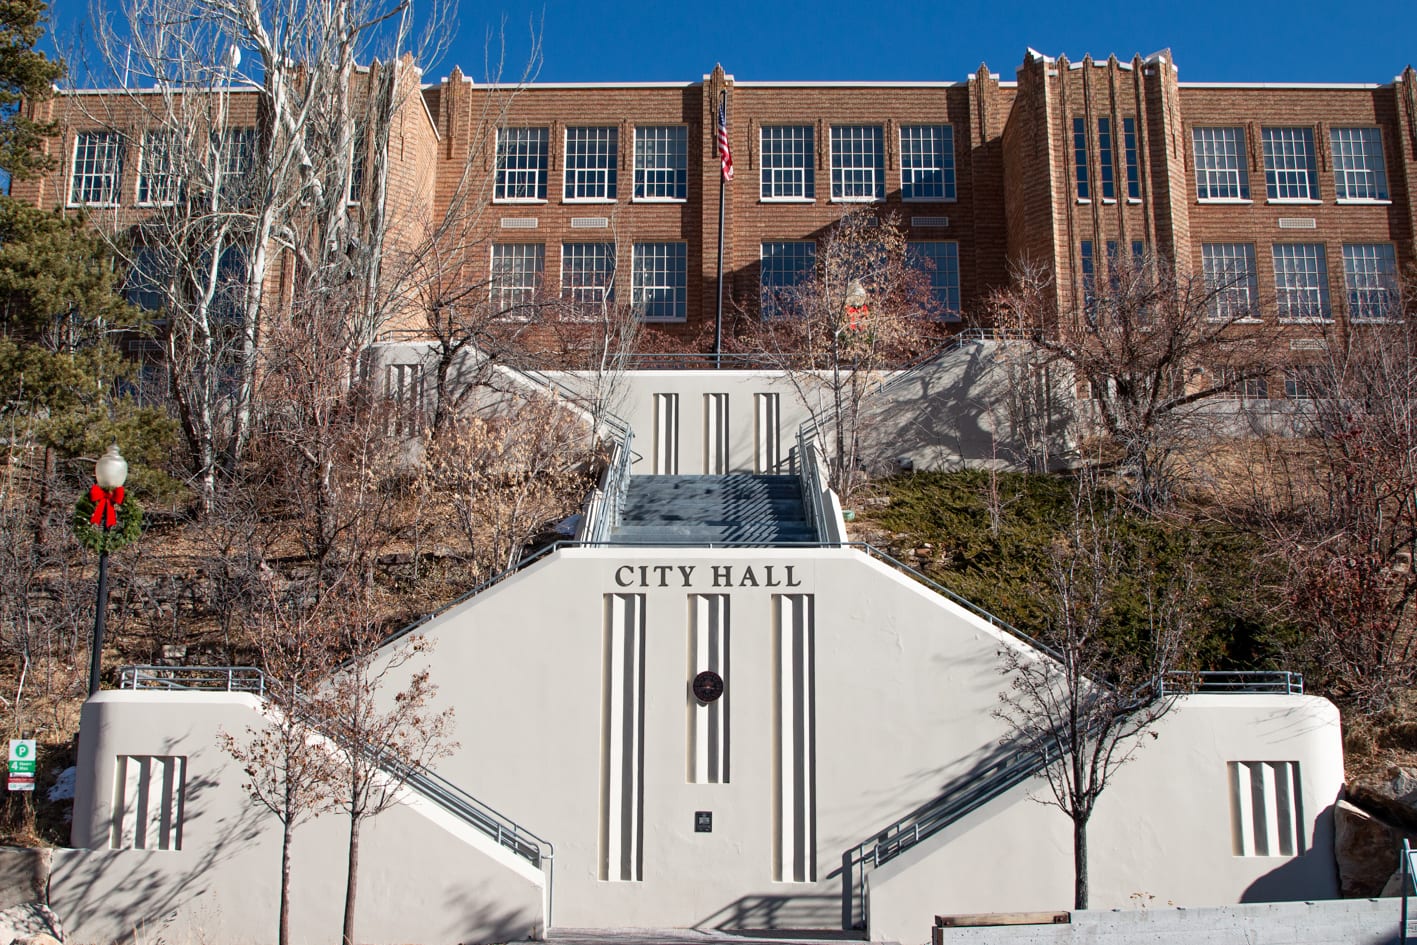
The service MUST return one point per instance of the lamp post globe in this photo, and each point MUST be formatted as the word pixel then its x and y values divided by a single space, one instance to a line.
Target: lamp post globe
pixel 110 472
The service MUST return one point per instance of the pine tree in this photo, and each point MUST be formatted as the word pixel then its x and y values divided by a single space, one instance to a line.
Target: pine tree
pixel 26 75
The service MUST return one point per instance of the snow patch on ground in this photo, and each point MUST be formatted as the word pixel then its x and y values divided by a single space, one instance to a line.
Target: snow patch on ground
pixel 63 789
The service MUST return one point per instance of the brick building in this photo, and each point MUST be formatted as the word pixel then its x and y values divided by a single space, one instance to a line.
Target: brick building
pixel 1301 195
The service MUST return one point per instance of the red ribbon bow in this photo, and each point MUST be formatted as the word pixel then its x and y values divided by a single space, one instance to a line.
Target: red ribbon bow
pixel 105 505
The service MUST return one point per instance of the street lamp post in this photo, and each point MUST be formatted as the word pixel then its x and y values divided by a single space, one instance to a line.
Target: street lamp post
pixel 110 472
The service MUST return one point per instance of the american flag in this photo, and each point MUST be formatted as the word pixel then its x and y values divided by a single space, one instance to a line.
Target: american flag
pixel 725 156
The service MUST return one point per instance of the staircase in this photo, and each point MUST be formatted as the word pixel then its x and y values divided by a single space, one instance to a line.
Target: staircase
pixel 700 510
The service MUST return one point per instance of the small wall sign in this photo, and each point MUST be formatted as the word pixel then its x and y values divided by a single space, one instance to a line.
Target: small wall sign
pixel 703 821
pixel 707 686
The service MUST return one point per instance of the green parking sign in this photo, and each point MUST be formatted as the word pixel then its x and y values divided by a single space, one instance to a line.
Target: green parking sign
pixel 22 751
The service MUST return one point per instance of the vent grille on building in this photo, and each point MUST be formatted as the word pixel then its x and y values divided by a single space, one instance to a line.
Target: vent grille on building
pixel 930 223
pixel 1298 223
pixel 589 223
pixel 520 223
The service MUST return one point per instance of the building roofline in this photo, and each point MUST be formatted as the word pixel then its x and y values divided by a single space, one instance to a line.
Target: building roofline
pixel 1281 85
pixel 832 84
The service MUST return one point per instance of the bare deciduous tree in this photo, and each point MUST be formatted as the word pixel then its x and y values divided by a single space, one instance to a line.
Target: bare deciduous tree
pixel 863 308
pixel 1084 708
pixel 1143 347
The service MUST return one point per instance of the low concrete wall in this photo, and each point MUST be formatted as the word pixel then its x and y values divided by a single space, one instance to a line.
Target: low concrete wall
pixel 1325 922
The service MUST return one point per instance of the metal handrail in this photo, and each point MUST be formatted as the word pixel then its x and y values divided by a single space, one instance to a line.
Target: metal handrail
pixel 194 678
pixel 603 509
pixel 431 785
pixel 1249 682
pixel 809 472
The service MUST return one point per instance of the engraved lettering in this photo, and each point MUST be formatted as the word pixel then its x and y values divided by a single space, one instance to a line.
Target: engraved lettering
pixel 627 581
pixel 687 570
pixel 722 575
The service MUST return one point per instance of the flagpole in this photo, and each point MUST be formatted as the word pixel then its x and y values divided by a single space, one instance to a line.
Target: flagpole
pixel 718 317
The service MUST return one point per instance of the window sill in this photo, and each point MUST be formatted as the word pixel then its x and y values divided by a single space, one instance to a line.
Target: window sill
pixel 518 201
pixel 858 200
pixel 1084 200
pixel 1234 321
pixel 667 200
pixel 1308 320
pixel 92 206
pixel 787 200
pixel 1225 201
pixel 1134 201
pixel 1109 201
pixel 664 319
pixel 927 200
pixel 1363 202
pixel 1293 201
pixel 583 201
pixel 1374 321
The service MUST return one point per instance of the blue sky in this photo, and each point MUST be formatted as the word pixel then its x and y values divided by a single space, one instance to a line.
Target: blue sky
pixel 640 40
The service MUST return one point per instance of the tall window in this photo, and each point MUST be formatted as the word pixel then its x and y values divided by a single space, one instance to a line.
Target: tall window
pixel 1229 270
pixel 238 181
pixel 784 266
pixel 661 162
pixel 1301 280
pixel 787 171
pixel 1080 158
pixel 1220 164
pixel 588 273
pixel 940 260
pixel 927 162
pixel 403 385
pixel 1129 146
pixel 516 274
pixel 1370 272
pixel 1289 169
pixel 98 169
pixel 521 164
pixel 858 163
pixel 1089 279
pixel 660 281
pixel 1106 168
pixel 591 163
pixel 1359 171
pixel 157 172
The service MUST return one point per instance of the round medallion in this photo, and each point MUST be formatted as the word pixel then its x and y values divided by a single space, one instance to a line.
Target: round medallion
pixel 708 686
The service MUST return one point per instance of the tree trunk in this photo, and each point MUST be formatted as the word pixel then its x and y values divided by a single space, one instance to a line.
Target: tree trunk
pixel 1079 864
pixel 283 933
pixel 352 879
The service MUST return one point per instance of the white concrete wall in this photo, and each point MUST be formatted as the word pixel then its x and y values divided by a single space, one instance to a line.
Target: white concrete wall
pixel 1163 828
pixel 423 876
pixel 905 687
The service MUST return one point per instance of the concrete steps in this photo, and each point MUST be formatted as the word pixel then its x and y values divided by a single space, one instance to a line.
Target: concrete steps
pixel 691 510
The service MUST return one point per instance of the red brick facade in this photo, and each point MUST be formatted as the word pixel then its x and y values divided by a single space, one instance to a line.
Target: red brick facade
pixel 1015 161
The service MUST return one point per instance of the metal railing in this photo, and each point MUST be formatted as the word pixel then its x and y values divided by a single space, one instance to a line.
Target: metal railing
pixel 607 501
pixel 506 832
pixel 194 678
pixel 809 472
pixel 1250 682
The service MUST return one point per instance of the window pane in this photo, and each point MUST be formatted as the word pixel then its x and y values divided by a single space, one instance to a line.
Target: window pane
pixel 1080 157
pixel 157 173
pixel 1220 166
pixel 927 162
pixel 1300 280
pixel 1129 143
pixel 858 163
pixel 98 169
pixel 1229 270
pixel 941 261
pixel 521 164
pixel 1104 158
pixel 784 266
pixel 588 272
pixel 516 274
pixel 1289 169
pixel 661 163
pixel 660 280
pixel 787 162
pixel 591 163
pixel 1370 271
pixel 1359 171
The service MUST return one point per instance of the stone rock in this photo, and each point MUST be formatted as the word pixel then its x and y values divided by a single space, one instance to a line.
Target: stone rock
pixel 24 876
pixel 1395 801
pixel 32 922
pixel 40 939
pixel 1366 850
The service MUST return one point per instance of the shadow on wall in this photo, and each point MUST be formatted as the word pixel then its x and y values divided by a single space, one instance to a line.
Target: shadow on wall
pixel 805 913
pixel 485 922
pixel 95 891
pixel 1310 875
